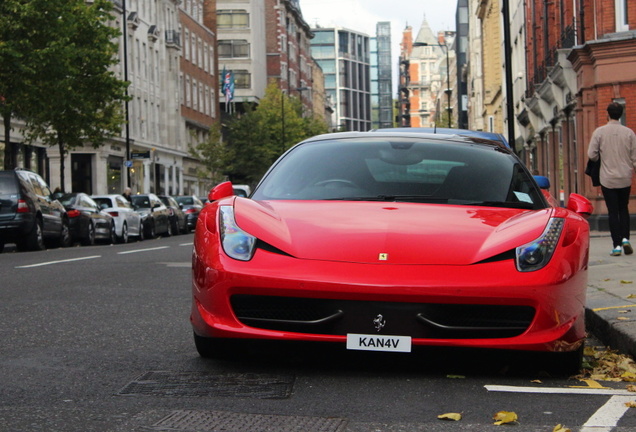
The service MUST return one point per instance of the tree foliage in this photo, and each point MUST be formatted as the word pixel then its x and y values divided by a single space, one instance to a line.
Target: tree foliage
pixel 258 137
pixel 75 97
pixel 56 61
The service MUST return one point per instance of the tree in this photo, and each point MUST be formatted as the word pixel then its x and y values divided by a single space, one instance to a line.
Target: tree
pixel 258 137
pixel 75 97
pixel 213 154
pixel 17 63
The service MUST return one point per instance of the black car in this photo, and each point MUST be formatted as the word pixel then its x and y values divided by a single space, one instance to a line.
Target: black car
pixel 154 213
pixel 29 214
pixel 88 222
pixel 177 216
pixel 191 206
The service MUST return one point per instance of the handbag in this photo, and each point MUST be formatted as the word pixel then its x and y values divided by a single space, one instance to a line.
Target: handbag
pixel 593 169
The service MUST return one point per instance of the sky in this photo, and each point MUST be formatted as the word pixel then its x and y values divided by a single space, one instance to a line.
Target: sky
pixel 362 15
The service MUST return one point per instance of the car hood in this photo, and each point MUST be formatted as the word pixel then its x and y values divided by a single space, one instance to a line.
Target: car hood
pixel 381 232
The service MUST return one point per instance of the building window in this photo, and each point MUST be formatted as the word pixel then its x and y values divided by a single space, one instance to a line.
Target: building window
pixel 622 18
pixel 234 48
pixel 232 18
pixel 242 79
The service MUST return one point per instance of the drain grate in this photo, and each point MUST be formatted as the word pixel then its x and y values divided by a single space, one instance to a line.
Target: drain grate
pixel 217 421
pixel 194 384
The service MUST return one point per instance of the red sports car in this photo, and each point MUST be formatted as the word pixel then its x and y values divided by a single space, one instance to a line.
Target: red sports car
pixel 390 240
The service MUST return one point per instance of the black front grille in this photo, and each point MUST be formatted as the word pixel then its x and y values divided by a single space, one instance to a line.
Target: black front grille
pixel 418 320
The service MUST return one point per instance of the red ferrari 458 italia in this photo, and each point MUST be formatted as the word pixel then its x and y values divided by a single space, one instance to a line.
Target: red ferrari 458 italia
pixel 384 241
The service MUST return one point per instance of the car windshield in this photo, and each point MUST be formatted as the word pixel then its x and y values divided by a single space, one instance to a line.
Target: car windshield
pixel 67 199
pixel 141 201
pixel 401 169
pixel 185 200
pixel 103 202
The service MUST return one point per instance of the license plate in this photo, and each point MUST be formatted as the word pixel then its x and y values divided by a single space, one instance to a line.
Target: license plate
pixel 367 342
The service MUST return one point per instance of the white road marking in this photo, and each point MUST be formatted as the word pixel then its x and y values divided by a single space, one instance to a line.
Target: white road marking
pixel 559 390
pixel 187 244
pixel 604 419
pixel 59 262
pixel 142 250
pixel 607 417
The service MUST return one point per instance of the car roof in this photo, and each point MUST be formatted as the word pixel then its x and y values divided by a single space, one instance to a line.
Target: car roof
pixel 495 136
pixel 415 133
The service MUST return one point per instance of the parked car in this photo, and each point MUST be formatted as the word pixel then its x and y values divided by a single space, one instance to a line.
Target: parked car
pixel 177 216
pixel 88 222
pixel 154 214
pixel 127 220
pixel 29 214
pixel 386 241
pixel 191 206
pixel 242 190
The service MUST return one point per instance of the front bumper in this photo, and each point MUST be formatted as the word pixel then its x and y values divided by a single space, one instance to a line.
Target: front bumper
pixel 489 305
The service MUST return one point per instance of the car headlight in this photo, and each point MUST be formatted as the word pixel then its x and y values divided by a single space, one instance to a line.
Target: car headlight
pixel 536 254
pixel 236 243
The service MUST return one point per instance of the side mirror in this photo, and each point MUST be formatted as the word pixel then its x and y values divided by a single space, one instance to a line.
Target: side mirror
pixel 581 205
pixel 222 190
pixel 542 181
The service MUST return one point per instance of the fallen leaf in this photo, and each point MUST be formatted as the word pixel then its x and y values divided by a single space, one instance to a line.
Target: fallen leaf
pixel 631 404
pixel 631 296
pixel 561 428
pixel 455 376
pixel 626 282
pixel 624 311
pixel 631 388
pixel 623 318
pixel 537 381
pixel 629 376
pixel 450 416
pixel 505 417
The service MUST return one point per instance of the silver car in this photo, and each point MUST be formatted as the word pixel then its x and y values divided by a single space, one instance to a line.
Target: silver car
pixel 127 220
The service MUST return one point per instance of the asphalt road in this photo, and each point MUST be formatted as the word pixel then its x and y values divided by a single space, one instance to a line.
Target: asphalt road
pixel 98 339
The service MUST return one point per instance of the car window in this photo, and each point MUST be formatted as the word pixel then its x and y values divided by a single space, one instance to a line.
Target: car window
pixel 35 184
pixel 8 184
pixel 67 199
pixel 401 169
pixel 103 203
pixel 122 202
pixel 185 200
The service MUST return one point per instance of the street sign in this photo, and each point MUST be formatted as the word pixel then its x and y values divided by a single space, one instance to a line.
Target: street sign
pixel 140 155
pixel 128 164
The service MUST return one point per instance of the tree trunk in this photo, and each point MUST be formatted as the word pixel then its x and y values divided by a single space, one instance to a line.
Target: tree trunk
pixel 9 160
pixel 60 144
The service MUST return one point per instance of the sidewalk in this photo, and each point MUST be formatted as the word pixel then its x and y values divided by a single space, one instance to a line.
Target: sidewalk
pixel 610 312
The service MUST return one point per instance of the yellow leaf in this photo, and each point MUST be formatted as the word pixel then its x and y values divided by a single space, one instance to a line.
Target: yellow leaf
pixel 589 351
pixel 631 388
pixel 537 381
pixel 450 416
pixel 623 318
pixel 504 417
pixel 624 311
pixel 629 376
pixel 631 296
pixel 626 282
pixel 631 404
pixel 561 428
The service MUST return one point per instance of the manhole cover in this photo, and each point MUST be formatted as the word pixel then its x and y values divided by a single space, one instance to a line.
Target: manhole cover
pixel 217 421
pixel 213 421
pixel 193 384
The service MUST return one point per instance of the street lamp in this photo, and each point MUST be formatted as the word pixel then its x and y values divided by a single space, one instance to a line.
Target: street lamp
pixel 126 111
pixel 448 89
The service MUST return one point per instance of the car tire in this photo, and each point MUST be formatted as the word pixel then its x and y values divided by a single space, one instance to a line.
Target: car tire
pixel 208 347
pixel 34 240
pixel 89 239
pixel 124 234
pixel 151 233
pixel 169 229
pixel 175 227
pixel 113 234
pixel 65 235
pixel 142 234
pixel 1 246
